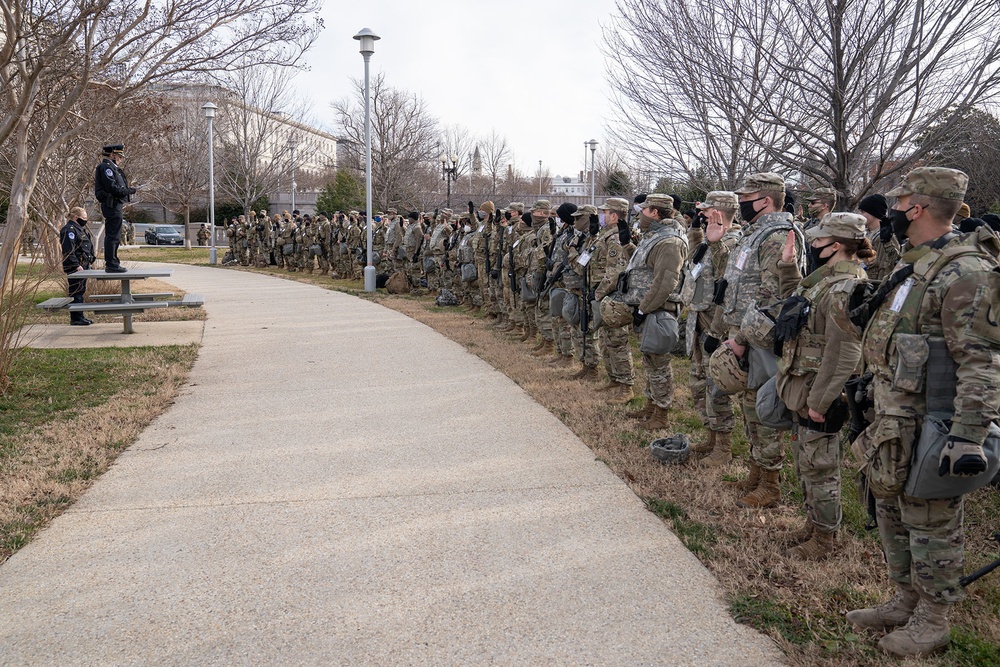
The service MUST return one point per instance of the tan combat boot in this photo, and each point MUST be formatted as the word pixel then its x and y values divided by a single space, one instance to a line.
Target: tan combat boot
pixel 747 485
pixel 658 419
pixel 767 493
pixel 620 394
pixel 541 345
pixel 643 413
pixel 585 373
pixel 561 361
pixel 705 448
pixel 722 454
pixel 926 631
pixel 797 535
pixel 544 349
pixel 817 547
pixel 893 614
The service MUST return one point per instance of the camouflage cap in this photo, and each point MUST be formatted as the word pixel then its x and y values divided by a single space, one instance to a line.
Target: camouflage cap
pixel 933 182
pixel 659 200
pixel 614 204
pixel 515 206
pixel 766 180
pixel 720 199
pixel 587 209
pixel 839 225
pixel 353 213
pixel 542 205
pixel 391 211
pixel 821 194
pixel 263 212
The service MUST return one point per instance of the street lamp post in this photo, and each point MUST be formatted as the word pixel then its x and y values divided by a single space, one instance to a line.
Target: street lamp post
pixel 367 47
pixel 539 179
pixel 292 142
pixel 449 173
pixel 209 110
pixel 593 150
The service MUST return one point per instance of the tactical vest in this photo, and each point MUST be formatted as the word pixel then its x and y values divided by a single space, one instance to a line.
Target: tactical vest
pixel 742 273
pixel 640 276
pixel 465 254
pixel 390 233
pixel 804 354
pixel 436 235
pixel 699 279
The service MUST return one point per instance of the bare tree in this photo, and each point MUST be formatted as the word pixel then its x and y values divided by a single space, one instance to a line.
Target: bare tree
pixel 494 153
pixel 404 136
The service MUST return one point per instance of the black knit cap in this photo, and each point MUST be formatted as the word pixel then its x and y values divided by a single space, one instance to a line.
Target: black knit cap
pixel 414 215
pixel 875 205
pixel 566 211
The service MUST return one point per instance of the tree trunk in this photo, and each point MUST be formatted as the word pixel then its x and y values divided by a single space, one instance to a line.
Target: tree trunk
pixel 187 227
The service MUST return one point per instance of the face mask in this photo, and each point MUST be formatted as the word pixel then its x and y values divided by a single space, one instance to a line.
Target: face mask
pixel 747 210
pixel 480 215
pixel 82 221
pixel 581 223
pixel 637 207
pixel 815 261
pixel 467 229
pixel 377 219
pixel 538 218
pixel 602 219
pixel 645 221
pixel 900 223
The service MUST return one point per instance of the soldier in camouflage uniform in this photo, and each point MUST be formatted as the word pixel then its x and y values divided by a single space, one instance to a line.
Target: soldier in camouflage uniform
pixel 413 241
pixel 355 234
pixel 508 305
pixel 287 242
pixel 933 346
pixel 654 280
pixel 752 286
pixel 885 244
pixel 608 260
pixel 818 203
pixel 522 250
pixel 710 251
pixel 538 265
pixel 480 243
pixel 563 276
pixel 581 280
pixel 823 354
pixel 394 234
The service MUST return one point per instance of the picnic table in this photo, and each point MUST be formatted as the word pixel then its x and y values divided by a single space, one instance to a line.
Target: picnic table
pixel 126 302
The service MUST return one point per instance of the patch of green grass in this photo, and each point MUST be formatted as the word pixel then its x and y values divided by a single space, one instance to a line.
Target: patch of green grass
pixel 968 650
pixel 698 537
pixel 175 255
pixel 633 438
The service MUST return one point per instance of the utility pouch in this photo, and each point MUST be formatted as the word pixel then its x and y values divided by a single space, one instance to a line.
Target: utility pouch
pixel 719 295
pixel 343 248
pixel 528 294
pixel 315 250
pixel 771 410
pixel 660 333
pixel 763 366
pixel 430 266
pixel 597 320
pixel 912 352
pixel 924 480
pixel 571 309
pixel 884 450
pixel 556 298
pixel 400 253
pixel 288 249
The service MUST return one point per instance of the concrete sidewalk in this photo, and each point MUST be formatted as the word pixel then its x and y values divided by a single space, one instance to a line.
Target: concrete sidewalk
pixel 340 484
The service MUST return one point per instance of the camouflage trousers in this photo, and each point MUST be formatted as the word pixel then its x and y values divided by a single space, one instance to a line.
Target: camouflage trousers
pixel 818 457
pixel 543 318
pixel 766 446
pixel 585 347
pixel 414 271
pixel 659 379
pixel 924 544
pixel 564 336
pixel 510 305
pixel 716 412
pixel 616 354
pixel 482 284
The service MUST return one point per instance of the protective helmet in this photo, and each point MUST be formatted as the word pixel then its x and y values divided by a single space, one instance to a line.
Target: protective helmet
pixel 727 372
pixel 615 313
pixel 675 450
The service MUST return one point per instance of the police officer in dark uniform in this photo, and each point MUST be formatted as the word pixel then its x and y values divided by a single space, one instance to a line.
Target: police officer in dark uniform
pixel 112 190
pixel 78 255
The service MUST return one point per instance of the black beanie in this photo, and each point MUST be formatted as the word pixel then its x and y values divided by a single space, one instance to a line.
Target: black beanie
pixel 967 225
pixel 414 215
pixel 874 205
pixel 640 198
pixel 565 212
pixel 993 220
pixel 677 202
pixel 526 218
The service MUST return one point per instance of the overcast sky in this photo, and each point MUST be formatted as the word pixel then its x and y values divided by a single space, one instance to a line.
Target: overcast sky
pixel 541 57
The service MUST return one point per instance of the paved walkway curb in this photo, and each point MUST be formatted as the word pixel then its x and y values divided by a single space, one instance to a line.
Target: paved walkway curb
pixel 339 484
pixel 63 336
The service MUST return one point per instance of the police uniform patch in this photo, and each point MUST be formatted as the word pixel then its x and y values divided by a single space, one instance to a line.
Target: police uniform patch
pixel 71 236
pixel 109 173
pixel 612 253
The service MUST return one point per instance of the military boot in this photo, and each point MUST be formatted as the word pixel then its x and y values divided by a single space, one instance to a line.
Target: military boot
pixel 561 361
pixel 529 333
pixel 926 631
pixel 585 373
pixel 817 547
pixel 543 348
pixel 642 414
pixel 750 483
pixel 620 394
pixel 659 419
pixel 722 453
pixel 701 449
pixel 797 535
pixel 767 493
pixel 893 614
pixel 610 385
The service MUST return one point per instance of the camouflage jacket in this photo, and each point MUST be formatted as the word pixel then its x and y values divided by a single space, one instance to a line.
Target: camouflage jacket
pixel 950 303
pixel 886 256
pixel 607 261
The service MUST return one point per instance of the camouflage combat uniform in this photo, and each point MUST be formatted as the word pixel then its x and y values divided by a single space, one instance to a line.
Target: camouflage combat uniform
pixel 607 262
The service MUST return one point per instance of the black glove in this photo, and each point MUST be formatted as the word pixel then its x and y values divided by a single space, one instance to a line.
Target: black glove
pixel 699 221
pixel 132 191
pixel 885 231
pixel 494 275
pixel 961 458
pixel 711 344
pixel 549 264
pixel 472 209
pixel 637 317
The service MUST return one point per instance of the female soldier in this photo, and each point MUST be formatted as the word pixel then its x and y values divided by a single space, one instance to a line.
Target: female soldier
pixel 821 351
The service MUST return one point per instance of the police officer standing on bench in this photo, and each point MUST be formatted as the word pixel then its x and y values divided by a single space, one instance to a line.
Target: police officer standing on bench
pixel 78 254
pixel 112 190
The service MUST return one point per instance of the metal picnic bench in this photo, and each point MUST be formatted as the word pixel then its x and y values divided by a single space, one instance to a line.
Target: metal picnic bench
pixel 126 303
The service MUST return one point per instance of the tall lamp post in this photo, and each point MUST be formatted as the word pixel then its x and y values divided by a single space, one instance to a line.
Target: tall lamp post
pixel 539 179
pixel 593 150
pixel 367 47
pixel 449 173
pixel 292 142
pixel 209 110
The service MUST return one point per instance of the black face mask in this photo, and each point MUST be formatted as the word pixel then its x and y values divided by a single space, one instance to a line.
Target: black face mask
pixel 747 210
pixel 815 261
pixel 82 222
pixel 900 223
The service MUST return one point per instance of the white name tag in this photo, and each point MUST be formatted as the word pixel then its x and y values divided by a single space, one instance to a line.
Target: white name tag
pixel 696 270
pixel 583 259
pixel 901 294
pixel 515 243
pixel 741 259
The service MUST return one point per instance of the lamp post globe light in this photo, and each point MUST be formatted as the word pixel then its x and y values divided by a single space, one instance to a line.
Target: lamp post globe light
pixel 593 150
pixel 366 39
pixel 292 143
pixel 209 110
pixel 449 169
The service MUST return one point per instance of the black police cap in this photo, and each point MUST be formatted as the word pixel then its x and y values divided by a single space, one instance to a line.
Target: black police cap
pixel 114 148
